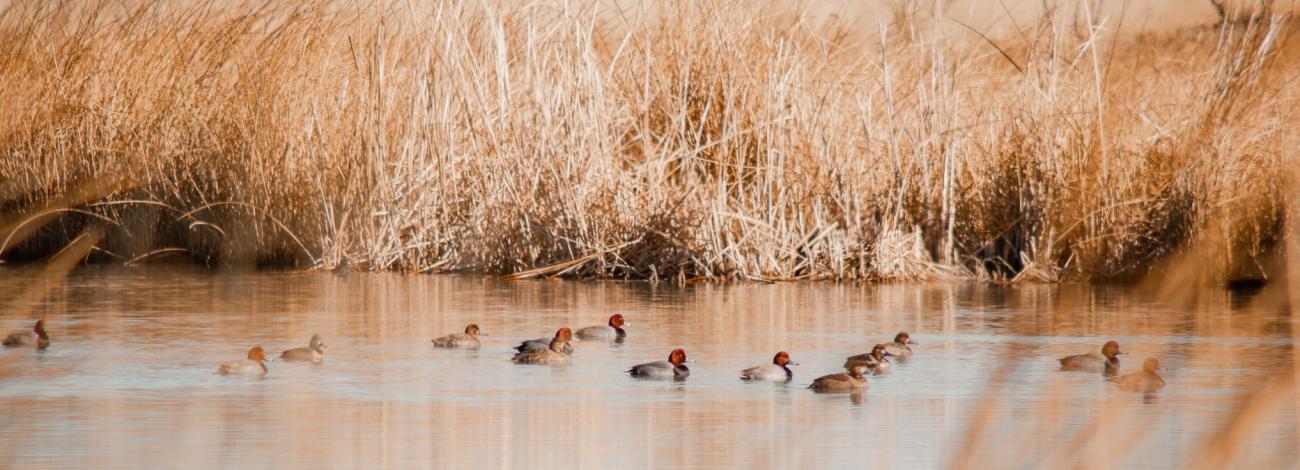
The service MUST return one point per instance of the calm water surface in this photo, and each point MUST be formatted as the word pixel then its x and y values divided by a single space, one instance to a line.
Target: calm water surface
pixel 130 382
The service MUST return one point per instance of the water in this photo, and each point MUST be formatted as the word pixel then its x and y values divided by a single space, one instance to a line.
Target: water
pixel 129 380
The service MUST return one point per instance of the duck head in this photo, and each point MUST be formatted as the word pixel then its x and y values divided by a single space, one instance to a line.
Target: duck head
pixel 1151 365
pixel 472 330
pixel 677 357
pixel 316 343
pixel 783 359
pixel 878 351
pixel 1110 349
pixel 39 329
pixel 257 354
pixel 904 338
pixel 562 337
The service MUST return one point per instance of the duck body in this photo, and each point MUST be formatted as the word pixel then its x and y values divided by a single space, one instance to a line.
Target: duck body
pixel 768 372
pixel 541 344
pixel 466 340
pixel 244 367
pixel 1091 362
pixel 457 340
pixel 1094 362
pixel 660 370
pixel 674 368
pixel 541 357
pixel 37 338
pixel 611 331
pixel 852 381
pixel 313 352
pixel 554 354
pixel 252 366
pixel 601 332
pixel 777 371
pixel 901 347
pixel 1146 381
pixel 876 361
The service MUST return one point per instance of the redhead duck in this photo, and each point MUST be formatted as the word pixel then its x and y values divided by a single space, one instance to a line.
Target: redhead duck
pixel 37 337
pixel 674 368
pixel 901 347
pixel 875 360
pixel 612 331
pixel 1093 362
pixel 467 340
pixel 314 352
pixel 853 381
pixel 777 371
pixel 1146 381
pixel 541 344
pixel 253 366
pixel 554 354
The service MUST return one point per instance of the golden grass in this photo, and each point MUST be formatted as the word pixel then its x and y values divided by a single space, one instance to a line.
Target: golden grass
pixel 733 140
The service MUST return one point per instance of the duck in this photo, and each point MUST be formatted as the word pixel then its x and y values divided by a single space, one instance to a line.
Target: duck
pixel 314 352
pixel 901 347
pixel 674 368
pixel 876 360
pixel 777 371
pixel 37 337
pixel 852 381
pixel 611 331
pixel 253 366
pixel 1093 362
pixel 467 340
pixel 553 355
pixel 541 344
pixel 1148 380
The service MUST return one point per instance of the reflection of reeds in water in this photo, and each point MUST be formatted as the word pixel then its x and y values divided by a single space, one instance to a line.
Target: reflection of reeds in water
pixel 720 141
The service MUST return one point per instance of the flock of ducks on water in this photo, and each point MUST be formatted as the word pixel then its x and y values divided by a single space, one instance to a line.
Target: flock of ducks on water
pixel 557 350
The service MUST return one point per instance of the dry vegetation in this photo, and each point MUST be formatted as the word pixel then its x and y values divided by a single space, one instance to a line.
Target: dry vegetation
pixel 725 140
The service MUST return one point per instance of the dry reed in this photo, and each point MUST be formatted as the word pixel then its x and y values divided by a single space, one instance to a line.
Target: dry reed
pixel 684 140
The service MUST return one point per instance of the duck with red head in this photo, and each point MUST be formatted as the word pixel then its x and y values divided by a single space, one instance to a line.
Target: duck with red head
pixel 1107 361
pixel 543 344
pixel 877 361
pixel 554 354
pixel 466 340
pixel 902 345
pixel 314 352
pixel 610 331
pixel 777 371
pixel 37 337
pixel 851 382
pixel 253 366
pixel 674 368
pixel 1147 381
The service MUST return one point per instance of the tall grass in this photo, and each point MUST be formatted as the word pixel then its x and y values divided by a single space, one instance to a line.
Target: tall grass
pixel 672 140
